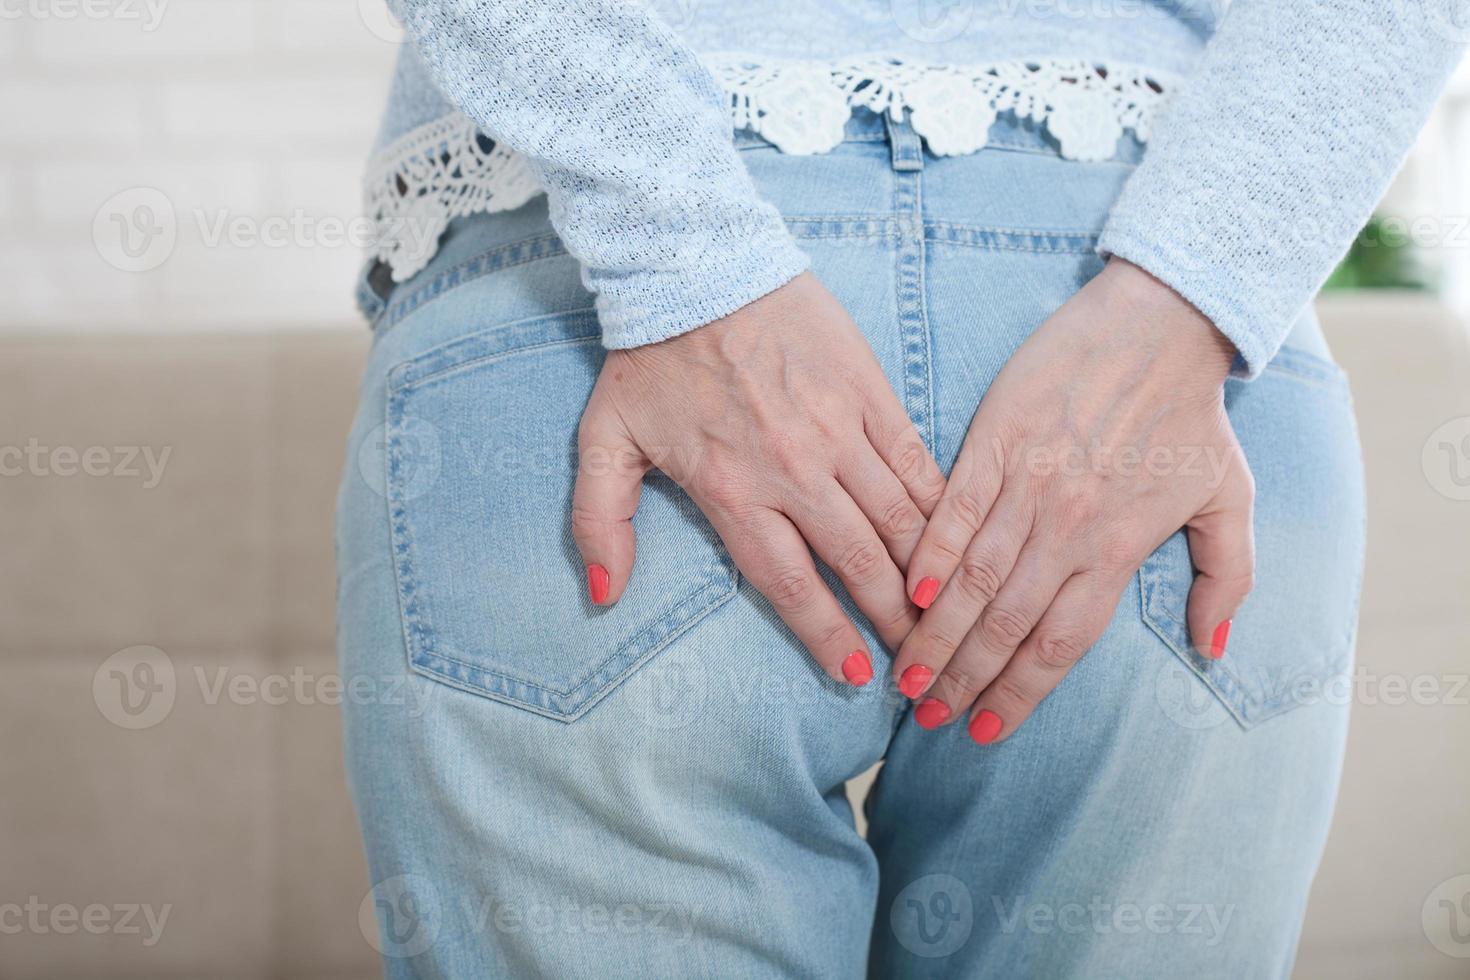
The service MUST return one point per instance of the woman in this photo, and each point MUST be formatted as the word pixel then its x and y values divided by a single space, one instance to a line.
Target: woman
pixel 926 382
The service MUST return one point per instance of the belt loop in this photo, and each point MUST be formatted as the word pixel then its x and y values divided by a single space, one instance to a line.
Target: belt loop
pixel 904 144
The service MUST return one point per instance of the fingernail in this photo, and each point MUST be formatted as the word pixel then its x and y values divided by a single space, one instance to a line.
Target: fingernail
pixel 931 713
pixel 1218 641
pixel 985 727
pixel 597 582
pixel 925 592
pixel 914 680
pixel 857 668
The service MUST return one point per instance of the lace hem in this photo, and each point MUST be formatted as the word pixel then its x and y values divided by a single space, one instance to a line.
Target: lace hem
pixel 448 169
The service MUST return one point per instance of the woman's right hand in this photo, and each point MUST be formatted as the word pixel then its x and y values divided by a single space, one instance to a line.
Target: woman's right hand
pixel 779 423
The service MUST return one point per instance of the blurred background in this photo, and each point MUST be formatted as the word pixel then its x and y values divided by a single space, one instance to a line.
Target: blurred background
pixel 179 235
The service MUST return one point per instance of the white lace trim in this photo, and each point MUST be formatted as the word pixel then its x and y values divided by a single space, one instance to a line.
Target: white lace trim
pixel 447 169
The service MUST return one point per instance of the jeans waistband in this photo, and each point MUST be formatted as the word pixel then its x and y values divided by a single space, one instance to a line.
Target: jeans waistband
pixel 1008 132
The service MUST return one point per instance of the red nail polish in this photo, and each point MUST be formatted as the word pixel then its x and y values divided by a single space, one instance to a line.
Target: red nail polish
pixel 931 713
pixel 597 582
pixel 925 592
pixel 1218 641
pixel 857 668
pixel 985 727
pixel 914 680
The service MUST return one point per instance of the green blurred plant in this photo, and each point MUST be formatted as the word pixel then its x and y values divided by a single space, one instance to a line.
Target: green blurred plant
pixel 1382 256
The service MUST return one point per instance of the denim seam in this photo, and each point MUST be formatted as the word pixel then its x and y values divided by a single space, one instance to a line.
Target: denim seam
pixel 1247 709
pixel 449 371
pixel 1011 240
pixel 537 248
pixel 907 160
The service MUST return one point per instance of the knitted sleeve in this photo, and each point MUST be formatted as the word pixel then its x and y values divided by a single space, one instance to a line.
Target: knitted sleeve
pixel 630 137
pixel 1271 159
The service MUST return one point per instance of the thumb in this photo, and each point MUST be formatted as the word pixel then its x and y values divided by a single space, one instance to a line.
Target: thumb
pixel 610 470
pixel 1222 547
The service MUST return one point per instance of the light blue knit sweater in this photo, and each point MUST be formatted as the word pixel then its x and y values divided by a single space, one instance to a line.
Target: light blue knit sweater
pixel 1285 123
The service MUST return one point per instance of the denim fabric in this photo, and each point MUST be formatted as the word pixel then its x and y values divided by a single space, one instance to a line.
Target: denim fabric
pixel 657 788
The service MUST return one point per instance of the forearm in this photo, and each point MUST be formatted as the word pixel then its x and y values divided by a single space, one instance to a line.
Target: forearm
pixel 1271 159
pixel 631 139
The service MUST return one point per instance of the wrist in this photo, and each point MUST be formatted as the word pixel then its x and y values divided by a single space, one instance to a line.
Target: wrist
pixel 1178 330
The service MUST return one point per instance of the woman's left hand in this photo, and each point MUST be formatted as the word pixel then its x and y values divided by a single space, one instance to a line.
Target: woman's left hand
pixel 1104 434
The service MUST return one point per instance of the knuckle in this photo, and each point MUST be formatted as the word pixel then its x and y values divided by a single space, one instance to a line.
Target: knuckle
pixel 939 640
pixel 585 522
pixel 898 519
pixel 791 590
pixel 833 637
pixel 966 509
pixel 860 562
pixel 979 578
pixel 1060 650
pixel 1003 627
pixel 1007 692
pixel 964 681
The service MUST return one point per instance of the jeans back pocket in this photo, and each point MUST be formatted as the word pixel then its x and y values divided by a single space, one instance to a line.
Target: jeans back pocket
pixel 1291 642
pixel 481 439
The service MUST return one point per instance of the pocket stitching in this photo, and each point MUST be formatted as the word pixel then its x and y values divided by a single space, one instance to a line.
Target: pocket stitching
pixel 1247 710
pixel 721 583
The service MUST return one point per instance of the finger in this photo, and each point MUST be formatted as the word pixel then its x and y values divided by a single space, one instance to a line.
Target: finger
pixel 987 562
pixel 834 526
pixel 1080 613
pixel 1222 548
pixel 968 497
pixel 899 445
pixel 772 554
pixel 1004 625
pixel 610 471
pixel 886 505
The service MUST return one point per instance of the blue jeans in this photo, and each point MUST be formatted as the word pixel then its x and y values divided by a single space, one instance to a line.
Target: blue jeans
pixel 657 789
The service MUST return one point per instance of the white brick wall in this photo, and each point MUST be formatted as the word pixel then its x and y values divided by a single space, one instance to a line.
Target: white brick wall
pixel 261 110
